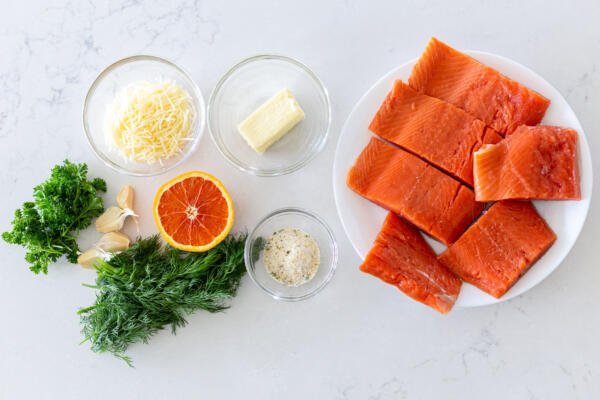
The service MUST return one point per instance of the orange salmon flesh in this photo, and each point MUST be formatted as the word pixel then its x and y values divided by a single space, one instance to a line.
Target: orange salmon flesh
pixel 500 247
pixel 432 129
pixel 403 183
pixel 452 76
pixel 535 162
pixel 401 257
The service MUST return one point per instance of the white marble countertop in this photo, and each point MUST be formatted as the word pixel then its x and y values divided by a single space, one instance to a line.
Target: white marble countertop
pixel 358 339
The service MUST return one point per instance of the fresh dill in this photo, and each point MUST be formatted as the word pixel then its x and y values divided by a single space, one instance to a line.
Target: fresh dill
pixel 151 286
pixel 257 246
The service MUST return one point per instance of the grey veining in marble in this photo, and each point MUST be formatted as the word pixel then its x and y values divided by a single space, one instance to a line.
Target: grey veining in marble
pixel 356 340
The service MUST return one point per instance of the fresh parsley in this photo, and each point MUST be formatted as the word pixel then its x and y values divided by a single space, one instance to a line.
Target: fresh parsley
pixel 62 206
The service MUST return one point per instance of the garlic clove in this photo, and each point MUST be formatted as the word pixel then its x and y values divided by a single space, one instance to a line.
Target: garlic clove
pixel 125 197
pixel 88 258
pixel 112 220
pixel 113 242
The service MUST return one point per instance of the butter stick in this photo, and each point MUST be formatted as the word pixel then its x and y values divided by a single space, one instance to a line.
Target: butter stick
pixel 271 121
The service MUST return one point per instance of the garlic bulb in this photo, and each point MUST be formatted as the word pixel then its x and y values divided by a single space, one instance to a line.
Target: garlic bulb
pixel 113 219
pixel 109 243
pixel 113 242
pixel 109 223
pixel 88 258
pixel 125 198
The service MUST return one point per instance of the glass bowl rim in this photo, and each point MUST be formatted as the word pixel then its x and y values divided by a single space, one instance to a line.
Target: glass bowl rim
pixel 196 95
pixel 216 138
pixel 332 243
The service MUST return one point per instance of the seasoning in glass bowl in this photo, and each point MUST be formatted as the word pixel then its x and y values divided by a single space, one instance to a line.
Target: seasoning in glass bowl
pixel 292 257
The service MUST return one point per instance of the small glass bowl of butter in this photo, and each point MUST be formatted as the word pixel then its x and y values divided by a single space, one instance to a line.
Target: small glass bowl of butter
pixel 253 85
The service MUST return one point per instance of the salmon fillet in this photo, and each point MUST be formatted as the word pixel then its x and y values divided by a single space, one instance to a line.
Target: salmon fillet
pixel 432 129
pixel 500 247
pixel 401 257
pixel 403 183
pixel 452 76
pixel 535 162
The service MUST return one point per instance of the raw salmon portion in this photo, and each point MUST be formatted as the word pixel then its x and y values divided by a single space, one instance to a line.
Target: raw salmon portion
pixel 500 102
pixel 401 257
pixel 535 162
pixel 500 247
pixel 403 183
pixel 433 129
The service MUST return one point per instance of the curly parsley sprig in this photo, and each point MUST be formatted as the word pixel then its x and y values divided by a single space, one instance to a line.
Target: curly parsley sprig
pixel 62 206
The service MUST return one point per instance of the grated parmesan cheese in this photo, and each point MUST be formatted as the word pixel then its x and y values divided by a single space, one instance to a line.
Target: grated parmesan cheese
pixel 149 122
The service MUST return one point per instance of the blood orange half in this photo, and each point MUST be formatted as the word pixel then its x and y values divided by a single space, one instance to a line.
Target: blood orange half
pixel 193 211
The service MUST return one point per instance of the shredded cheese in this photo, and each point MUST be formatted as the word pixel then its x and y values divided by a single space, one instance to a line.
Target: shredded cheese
pixel 149 122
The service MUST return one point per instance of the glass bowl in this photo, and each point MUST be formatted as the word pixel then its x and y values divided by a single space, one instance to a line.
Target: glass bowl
pixel 248 85
pixel 291 218
pixel 102 93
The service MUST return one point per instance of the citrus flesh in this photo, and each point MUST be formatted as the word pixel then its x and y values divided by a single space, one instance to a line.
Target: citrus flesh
pixel 193 211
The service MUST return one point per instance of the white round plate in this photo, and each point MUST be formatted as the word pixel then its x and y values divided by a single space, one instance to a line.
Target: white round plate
pixel 362 219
